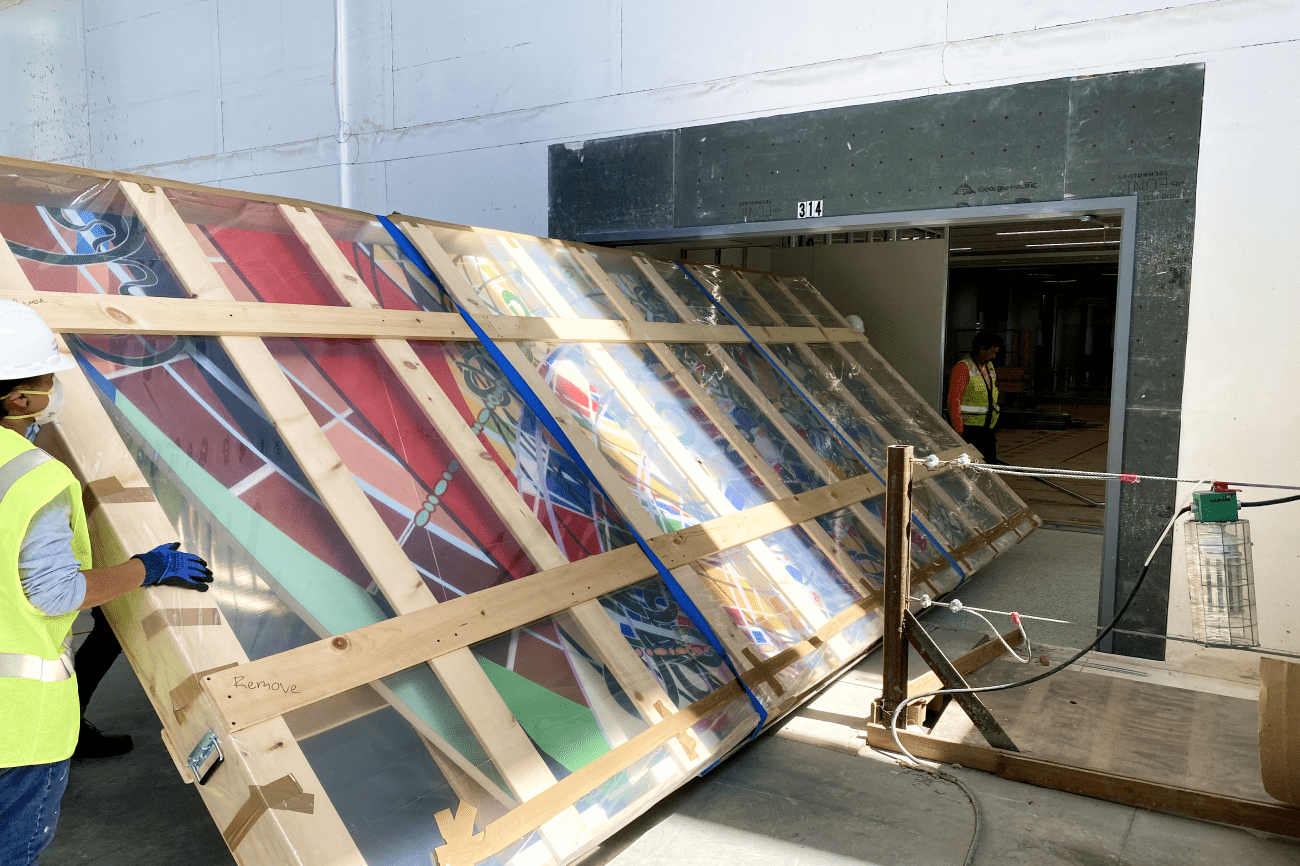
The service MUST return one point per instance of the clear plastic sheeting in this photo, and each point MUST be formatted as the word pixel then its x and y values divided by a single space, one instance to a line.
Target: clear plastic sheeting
pixel 809 300
pixel 788 309
pixel 686 293
pixel 726 284
pixel 860 427
pixel 523 277
pixel 585 690
pixel 560 691
pixel 668 643
pixel 254 249
pixel 394 281
pixel 631 280
pixel 445 525
pixel 279 591
pixel 75 234
pixel 908 402
pixel 897 426
pixel 798 412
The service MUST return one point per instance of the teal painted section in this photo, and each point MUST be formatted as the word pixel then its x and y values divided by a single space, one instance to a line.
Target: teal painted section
pixel 565 730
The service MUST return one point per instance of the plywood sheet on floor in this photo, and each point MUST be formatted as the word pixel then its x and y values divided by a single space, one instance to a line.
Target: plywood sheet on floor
pixel 1082 449
pixel 1162 734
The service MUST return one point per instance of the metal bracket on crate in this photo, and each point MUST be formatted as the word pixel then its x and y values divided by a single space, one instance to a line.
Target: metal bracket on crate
pixel 199 755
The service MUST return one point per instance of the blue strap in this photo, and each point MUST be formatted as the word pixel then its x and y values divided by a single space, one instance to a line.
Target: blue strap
pixel 762 350
pixel 535 405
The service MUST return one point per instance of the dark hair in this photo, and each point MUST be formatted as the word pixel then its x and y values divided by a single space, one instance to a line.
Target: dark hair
pixel 8 385
pixel 986 340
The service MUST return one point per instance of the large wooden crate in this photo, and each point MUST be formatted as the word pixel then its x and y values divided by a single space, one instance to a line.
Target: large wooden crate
pixel 431 631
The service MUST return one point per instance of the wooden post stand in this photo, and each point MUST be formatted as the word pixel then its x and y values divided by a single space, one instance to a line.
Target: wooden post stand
pixel 898 578
pixel 902 626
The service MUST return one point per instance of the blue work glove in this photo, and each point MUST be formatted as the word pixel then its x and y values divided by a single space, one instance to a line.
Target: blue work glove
pixel 171 567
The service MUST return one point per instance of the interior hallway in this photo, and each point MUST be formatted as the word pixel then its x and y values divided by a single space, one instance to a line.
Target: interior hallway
pixel 1081 448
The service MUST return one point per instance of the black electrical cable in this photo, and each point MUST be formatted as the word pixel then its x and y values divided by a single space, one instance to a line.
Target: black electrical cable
pixel 975 837
pixel 1090 647
pixel 978 830
pixel 1074 658
pixel 1146 567
pixel 915 765
pixel 1270 501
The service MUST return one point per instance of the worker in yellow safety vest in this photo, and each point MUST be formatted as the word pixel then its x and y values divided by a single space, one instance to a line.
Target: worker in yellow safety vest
pixel 973 395
pixel 46 577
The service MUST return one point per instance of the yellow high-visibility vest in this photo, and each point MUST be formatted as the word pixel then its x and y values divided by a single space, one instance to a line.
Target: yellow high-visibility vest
pixel 40 715
pixel 976 400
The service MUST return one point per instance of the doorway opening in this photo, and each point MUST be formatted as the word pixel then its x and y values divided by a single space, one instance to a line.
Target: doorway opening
pixel 1049 288
pixel 1048 282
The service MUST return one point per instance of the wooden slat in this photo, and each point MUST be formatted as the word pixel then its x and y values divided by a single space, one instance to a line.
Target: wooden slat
pixel 1138 793
pixel 469 687
pixel 119 314
pixel 79 313
pixel 149 181
pixel 602 633
pixel 319 670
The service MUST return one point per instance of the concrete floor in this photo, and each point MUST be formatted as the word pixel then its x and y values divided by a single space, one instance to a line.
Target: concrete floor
pixel 1052 573
pixel 805 794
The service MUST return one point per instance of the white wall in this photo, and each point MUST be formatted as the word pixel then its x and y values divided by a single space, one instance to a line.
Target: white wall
pixel 900 291
pixel 447 109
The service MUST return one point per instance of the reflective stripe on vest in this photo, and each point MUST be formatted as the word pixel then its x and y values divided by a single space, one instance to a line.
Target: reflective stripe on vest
pixel 19 466
pixel 36 668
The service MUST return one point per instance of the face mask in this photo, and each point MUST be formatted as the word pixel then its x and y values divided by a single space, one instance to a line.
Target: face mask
pixel 52 408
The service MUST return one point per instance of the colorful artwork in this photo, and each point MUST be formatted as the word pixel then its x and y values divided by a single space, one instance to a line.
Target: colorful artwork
pixel 187 399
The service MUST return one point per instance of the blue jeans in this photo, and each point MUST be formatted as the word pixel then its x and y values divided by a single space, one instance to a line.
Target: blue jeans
pixel 29 810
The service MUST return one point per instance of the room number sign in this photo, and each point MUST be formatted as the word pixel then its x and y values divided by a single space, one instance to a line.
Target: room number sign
pixel 810 208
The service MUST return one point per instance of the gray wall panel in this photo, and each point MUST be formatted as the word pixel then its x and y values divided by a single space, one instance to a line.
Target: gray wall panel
pixel 620 183
pixel 994 146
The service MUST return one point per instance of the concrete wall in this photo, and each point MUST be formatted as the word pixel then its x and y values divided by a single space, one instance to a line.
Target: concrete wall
pixel 447 110
pixel 900 291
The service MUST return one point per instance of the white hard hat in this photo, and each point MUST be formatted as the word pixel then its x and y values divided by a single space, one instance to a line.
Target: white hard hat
pixel 27 346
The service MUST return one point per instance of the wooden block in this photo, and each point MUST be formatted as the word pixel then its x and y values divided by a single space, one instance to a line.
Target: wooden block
pixel 1279 728
pixel 966 663
pixel 1139 793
